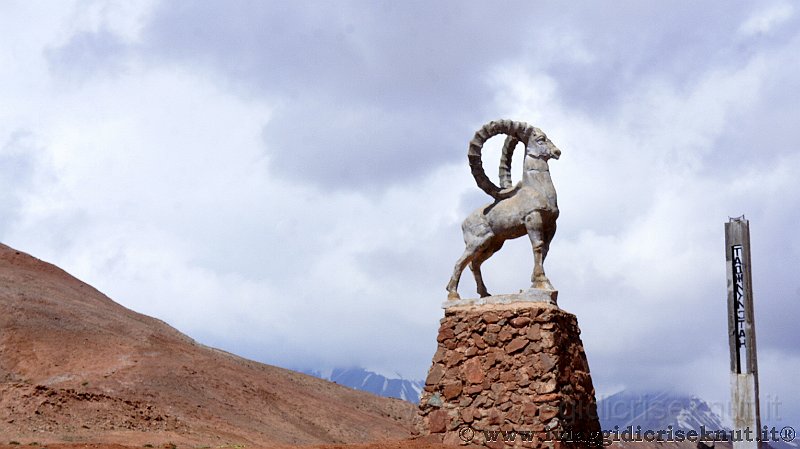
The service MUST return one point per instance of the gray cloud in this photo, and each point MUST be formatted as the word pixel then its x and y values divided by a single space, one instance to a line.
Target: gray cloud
pixel 637 42
pixel 302 167
pixel 367 94
pixel 87 54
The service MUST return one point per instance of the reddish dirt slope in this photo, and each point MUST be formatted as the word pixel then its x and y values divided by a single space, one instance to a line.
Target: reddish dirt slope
pixel 77 367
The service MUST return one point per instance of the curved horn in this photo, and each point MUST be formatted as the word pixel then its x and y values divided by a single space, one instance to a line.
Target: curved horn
pixel 519 131
pixel 505 161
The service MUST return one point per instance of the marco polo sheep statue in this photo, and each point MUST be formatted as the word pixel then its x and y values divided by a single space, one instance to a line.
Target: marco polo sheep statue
pixel 528 208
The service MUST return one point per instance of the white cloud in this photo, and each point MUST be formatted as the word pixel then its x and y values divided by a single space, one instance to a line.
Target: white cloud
pixel 159 171
pixel 126 18
pixel 766 20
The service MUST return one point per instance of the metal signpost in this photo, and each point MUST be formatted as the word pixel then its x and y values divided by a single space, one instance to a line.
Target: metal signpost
pixel 742 336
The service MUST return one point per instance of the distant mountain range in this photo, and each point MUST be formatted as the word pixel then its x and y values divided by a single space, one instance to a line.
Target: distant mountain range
pixel 658 410
pixel 364 380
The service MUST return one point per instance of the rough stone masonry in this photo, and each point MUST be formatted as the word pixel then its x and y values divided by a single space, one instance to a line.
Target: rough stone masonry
pixel 511 367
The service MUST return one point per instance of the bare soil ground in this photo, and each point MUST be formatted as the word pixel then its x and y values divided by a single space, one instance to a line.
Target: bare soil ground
pixel 399 444
pixel 76 367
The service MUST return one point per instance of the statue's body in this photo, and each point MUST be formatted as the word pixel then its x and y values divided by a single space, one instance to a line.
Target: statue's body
pixel 530 207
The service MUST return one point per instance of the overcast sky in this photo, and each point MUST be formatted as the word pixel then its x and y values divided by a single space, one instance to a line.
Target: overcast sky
pixel 287 180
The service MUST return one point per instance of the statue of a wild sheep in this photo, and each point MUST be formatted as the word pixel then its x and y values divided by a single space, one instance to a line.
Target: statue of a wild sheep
pixel 528 208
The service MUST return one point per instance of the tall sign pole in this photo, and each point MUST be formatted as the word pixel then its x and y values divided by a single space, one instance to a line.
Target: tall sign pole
pixel 742 336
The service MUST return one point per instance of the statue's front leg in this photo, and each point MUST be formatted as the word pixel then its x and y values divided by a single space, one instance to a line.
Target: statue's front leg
pixel 533 224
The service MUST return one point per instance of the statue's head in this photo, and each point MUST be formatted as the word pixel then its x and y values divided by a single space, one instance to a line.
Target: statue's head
pixel 537 145
pixel 540 147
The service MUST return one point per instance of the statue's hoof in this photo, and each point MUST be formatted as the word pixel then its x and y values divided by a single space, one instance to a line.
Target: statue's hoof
pixel 543 285
pixel 453 296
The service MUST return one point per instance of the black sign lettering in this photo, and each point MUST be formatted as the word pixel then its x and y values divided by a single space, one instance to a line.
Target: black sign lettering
pixel 738 296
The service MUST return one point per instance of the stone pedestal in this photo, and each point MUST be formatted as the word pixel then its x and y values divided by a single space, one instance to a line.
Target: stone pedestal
pixel 509 366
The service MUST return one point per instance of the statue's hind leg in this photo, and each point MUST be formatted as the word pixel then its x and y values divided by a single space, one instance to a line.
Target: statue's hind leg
pixel 477 237
pixel 475 266
pixel 466 258
pixel 533 223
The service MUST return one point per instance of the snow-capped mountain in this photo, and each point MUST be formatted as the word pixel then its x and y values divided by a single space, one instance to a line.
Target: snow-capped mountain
pixel 657 411
pixel 361 379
